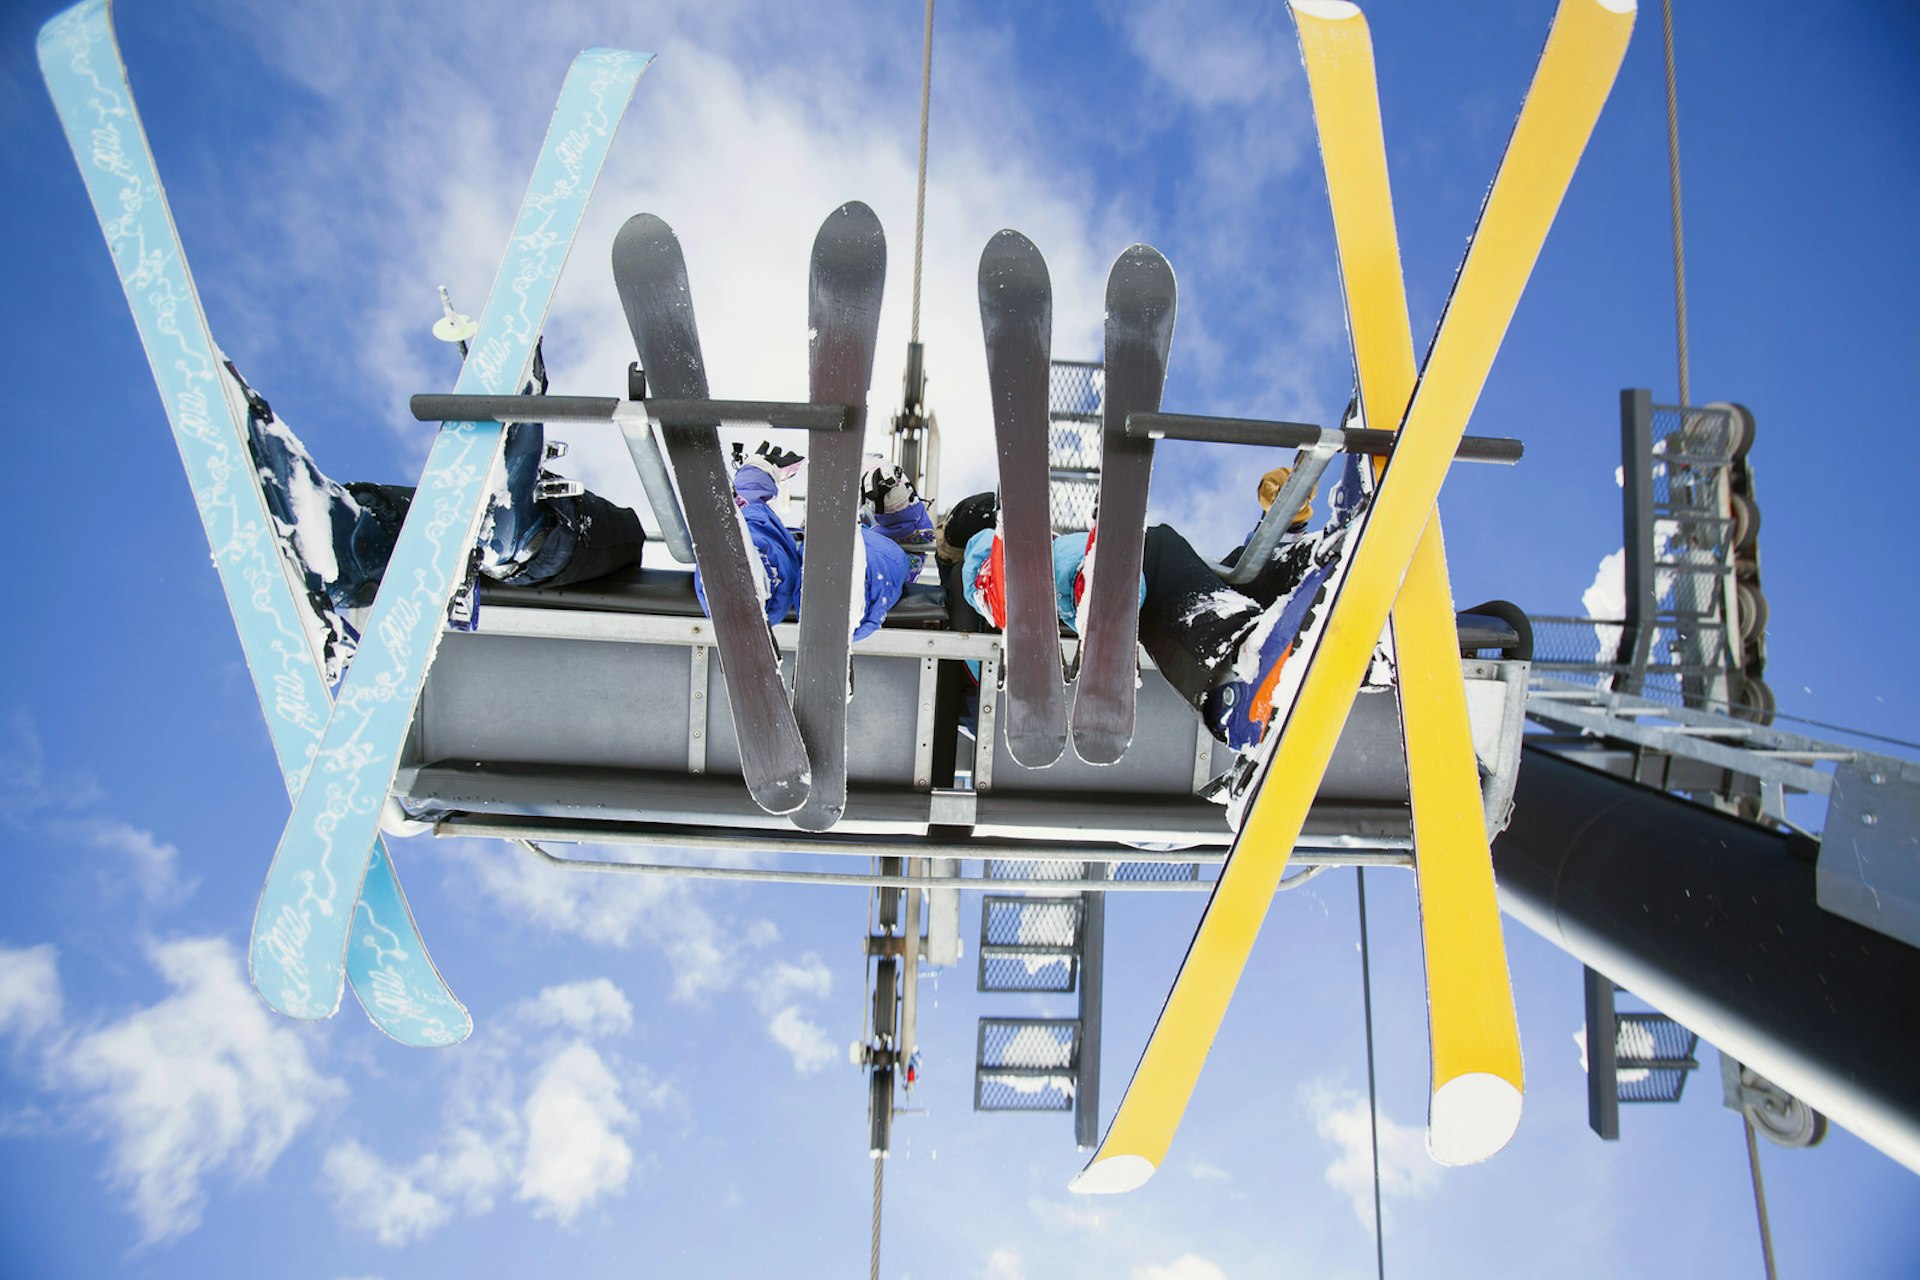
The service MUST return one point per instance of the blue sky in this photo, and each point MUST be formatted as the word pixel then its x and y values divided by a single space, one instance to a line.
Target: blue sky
pixel 657 1085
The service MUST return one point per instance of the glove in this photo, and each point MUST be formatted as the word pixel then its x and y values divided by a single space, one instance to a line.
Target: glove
pixel 775 461
pixel 757 479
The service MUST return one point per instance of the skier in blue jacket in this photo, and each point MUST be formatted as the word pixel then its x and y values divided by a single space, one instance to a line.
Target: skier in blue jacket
pixel 895 536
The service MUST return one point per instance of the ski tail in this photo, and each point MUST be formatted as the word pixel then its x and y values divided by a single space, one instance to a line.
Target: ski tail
pixel 394 979
pixel 1141 297
pixel 1577 69
pixel 843 314
pixel 1477 1081
pixel 302 927
pixel 1016 317
pixel 651 274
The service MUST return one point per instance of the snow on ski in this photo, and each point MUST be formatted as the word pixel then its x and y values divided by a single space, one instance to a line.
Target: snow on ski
pixel 392 974
pixel 300 931
pixel 843 315
pixel 1016 314
pixel 1140 307
pixel 1475 1102
pixel 1577 68
pixel 651 275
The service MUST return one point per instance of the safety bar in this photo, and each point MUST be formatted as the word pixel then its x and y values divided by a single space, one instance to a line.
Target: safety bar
pixel 577 411
pixel 1300 435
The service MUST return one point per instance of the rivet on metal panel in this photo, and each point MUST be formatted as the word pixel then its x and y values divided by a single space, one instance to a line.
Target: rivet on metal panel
pixel 1869 819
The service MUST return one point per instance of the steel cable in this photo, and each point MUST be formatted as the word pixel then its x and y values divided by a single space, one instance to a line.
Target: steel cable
pixel 920 197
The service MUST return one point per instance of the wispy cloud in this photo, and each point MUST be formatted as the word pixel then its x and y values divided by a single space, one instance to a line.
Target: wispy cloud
pixel 543 1109
pixel 378 1199
pixel 593 1007
pixel 708 954
pixel 775 990
pixel 1188 1266
pixel 1004 1264
pixel 30 997
pixel 613 911
pixel 1341 1119
pixel 66 808
pixel 202 1085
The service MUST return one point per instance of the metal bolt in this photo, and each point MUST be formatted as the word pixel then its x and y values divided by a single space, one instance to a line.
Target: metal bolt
pixel 1876 778
pixel 698 694
pixel 1869 819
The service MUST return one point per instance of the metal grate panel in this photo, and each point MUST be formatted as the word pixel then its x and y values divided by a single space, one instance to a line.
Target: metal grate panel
pixel 1030 944
pixel 1075 399
pixel 1031 922
pixel 1026 1064
pixel 1157 872
pixel 1652 1056
pixel 1032 869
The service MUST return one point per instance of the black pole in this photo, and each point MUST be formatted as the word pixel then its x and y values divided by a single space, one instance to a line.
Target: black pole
pixel 1714 921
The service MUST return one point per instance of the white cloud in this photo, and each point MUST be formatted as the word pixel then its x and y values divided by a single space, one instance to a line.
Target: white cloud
pixel 774 989
pixel 595 1007
pixel 30 999
pixel 1188 1266
pixel 1201 1171
pixel 805 1041
pixel 780 981
pixel 1004 1264
pixel 1607 596
pixel 203 1083
pixel 1208 59
pixel 397 1206
pixel 548 1119
pixel 575 1150
pixel 707 954
pixel 1341 1119
pixel 373 1196
pixel 65 807
pixel 611 910
pixel 1606 599
pixel 154 862
pixel 1079 1215
pixel 467 1170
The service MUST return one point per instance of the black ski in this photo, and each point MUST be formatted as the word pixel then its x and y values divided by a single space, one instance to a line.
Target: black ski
pixel 651 275
pixel 1016 313
pixel 1140 306
pixel 843 316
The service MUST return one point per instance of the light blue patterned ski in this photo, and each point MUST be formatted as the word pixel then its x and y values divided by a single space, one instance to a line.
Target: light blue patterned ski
pixel 391 971
pixel 301 930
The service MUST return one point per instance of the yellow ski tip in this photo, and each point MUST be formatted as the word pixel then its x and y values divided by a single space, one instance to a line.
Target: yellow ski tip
pixel 1471 1117
pixel 1326 10
pixel 1113 1176
pixel 1620 6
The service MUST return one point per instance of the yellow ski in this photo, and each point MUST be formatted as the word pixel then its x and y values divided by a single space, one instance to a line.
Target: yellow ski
pixel 1474 1106
pixel 1576 71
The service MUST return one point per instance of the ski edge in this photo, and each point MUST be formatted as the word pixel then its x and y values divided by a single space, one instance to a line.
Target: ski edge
pixel 380 676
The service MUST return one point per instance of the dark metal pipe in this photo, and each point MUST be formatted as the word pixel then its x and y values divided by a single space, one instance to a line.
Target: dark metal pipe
pixel 670 413
pixel 1301 435
pixel 1714 921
